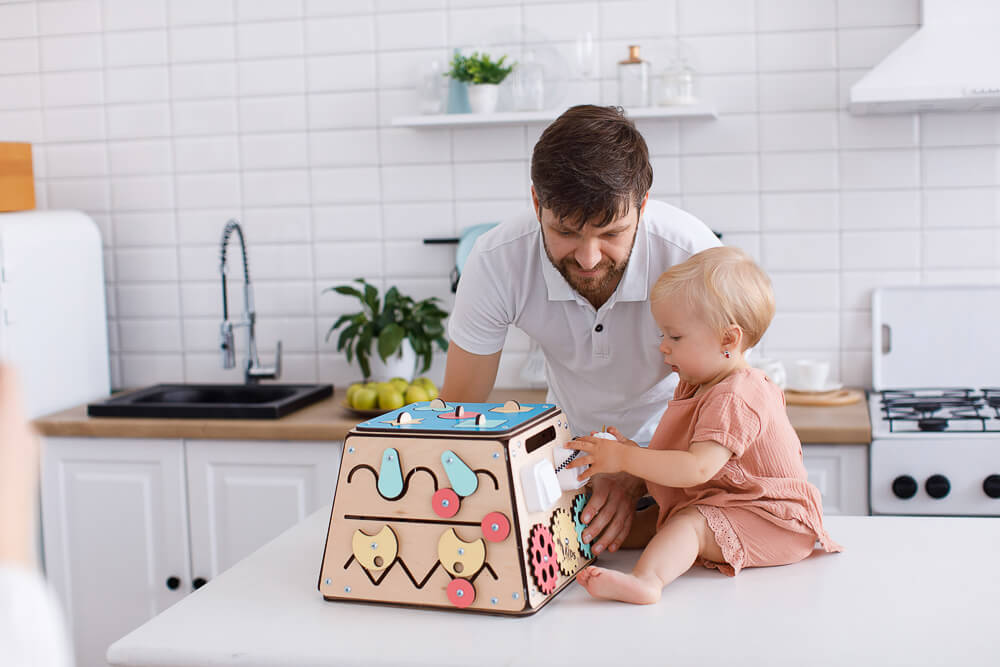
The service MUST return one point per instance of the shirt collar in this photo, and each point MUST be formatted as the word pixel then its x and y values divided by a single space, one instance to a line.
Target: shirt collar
pixel 634 285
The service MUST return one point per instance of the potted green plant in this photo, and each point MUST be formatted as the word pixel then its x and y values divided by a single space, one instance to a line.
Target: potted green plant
pixel 403 331
pixel 483 76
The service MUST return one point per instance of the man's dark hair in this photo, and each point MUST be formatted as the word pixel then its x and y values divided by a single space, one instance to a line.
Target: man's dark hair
pixel 591 165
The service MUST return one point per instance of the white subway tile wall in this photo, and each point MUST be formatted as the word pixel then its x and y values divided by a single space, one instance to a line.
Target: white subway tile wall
pixel 164 118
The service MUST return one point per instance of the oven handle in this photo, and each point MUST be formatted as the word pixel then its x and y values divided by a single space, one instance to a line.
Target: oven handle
pixel 886 339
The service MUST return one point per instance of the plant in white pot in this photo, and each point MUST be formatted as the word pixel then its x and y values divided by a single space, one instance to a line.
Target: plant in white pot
pixel 483 77
pixel 403 331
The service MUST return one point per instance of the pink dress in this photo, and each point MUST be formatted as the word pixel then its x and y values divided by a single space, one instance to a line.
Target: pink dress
pixel 760 506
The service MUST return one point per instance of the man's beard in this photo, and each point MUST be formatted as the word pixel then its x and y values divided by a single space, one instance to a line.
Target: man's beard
pixel 597 288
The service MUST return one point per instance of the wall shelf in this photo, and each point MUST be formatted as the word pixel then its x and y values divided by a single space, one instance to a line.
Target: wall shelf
pixel 700 110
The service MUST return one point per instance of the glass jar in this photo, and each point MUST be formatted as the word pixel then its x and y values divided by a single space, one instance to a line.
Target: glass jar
pixel 678 84
pixel 432 87
pixel 528 85
pixel 633 80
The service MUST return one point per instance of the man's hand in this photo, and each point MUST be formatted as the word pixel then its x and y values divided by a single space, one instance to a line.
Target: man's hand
pixel 610 511
pixel 603 455
pixel 611 508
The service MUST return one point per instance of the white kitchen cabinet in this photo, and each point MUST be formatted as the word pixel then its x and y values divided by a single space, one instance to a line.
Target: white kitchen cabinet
pixel 244 494
pixel 114 523
pixel 840 472
pixel 117 516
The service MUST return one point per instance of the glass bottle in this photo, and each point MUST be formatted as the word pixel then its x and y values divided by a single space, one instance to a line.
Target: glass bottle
pixel 633 80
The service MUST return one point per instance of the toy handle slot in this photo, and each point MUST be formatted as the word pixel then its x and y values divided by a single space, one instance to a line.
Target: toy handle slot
pixel 540 439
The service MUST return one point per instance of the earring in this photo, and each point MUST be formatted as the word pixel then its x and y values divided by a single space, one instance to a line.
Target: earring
pixel 725 353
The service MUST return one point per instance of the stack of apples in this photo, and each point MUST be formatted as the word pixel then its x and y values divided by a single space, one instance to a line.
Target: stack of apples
pixel 390 395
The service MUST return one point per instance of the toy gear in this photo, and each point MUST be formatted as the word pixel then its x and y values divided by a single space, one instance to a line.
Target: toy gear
pixel 542 554
pixel 496 527
pixel 445 503
pixel 578 503
pixel 567 545
pixel 461 593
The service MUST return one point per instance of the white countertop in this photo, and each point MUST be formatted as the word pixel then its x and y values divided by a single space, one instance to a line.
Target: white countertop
pixel 906 591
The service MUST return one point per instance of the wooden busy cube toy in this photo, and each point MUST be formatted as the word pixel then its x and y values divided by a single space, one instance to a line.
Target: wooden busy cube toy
pixel 465 507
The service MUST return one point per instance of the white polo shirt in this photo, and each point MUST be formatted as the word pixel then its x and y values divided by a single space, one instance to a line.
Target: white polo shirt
pixel 603 366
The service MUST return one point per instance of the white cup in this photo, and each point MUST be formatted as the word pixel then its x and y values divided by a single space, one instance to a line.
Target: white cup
pixel 773 368
pixel 811 374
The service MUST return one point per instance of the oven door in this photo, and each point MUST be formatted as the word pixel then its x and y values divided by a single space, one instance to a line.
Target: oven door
pixel 936 475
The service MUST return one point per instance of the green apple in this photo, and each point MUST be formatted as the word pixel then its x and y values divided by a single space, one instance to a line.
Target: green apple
pixel 389 398
pixel 364 399
pixel 400 384
pixel 350 391
pixel 428 386
pixel 415 394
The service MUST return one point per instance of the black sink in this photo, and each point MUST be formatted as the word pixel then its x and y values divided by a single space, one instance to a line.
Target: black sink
pixel 212 401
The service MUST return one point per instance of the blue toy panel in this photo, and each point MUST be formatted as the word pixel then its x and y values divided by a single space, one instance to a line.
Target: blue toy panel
pixel 496 417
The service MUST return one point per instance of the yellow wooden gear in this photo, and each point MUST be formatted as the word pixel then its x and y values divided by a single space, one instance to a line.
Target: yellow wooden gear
pixel 567 544
pixel 375 552
pixel 461 558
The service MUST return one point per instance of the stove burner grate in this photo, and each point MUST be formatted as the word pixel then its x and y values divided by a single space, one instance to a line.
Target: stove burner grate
pixel 992 397
pixel 937 410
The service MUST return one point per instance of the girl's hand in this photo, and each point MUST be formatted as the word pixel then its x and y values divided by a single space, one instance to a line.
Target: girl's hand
pixel 601 454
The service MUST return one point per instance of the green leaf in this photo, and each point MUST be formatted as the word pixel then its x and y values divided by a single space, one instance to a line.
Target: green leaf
pixel 389 340
pixel 346 290
pixel 346 336
pixel 371 298
pixel 391 299
pixel 336 325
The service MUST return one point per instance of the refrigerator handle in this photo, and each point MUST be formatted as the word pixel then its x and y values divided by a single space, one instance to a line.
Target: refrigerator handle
pixel 886 339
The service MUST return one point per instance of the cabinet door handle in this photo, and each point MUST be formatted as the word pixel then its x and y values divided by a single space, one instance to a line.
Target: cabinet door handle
pixel 173 583
pixel 199 582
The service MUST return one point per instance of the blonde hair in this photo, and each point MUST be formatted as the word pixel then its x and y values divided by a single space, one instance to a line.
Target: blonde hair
pixel 726 287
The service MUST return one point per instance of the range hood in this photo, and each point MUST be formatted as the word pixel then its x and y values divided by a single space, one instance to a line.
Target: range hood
pixel 952 63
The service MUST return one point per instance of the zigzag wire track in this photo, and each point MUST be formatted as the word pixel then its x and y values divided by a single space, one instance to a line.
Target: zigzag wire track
pixel 376 582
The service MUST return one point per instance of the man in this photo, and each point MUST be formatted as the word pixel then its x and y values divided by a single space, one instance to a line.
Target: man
pixel 576 278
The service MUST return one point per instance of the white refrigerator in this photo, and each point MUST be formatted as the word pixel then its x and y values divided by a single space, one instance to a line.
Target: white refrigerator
pixel 53 319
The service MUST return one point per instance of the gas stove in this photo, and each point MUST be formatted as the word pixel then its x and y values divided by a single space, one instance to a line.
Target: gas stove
pixel 935 412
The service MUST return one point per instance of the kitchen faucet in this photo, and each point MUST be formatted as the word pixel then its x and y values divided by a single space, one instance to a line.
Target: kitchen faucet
pixel 254 371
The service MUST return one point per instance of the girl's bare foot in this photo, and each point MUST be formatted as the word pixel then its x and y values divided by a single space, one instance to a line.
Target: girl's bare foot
pixel 613 585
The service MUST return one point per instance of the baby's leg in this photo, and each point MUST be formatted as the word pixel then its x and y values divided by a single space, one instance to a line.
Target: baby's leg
pixel 670 553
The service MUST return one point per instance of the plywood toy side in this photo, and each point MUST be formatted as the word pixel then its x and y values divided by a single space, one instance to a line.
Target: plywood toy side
pixel 560 523
pixel 395 536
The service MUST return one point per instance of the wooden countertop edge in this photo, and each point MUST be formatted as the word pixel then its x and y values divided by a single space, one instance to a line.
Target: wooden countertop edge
pixel 328 420
pixel 841 436
pixel 225 430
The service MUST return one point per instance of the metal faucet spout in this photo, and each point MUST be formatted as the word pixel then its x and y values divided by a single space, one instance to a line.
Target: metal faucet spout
pixel 253 371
